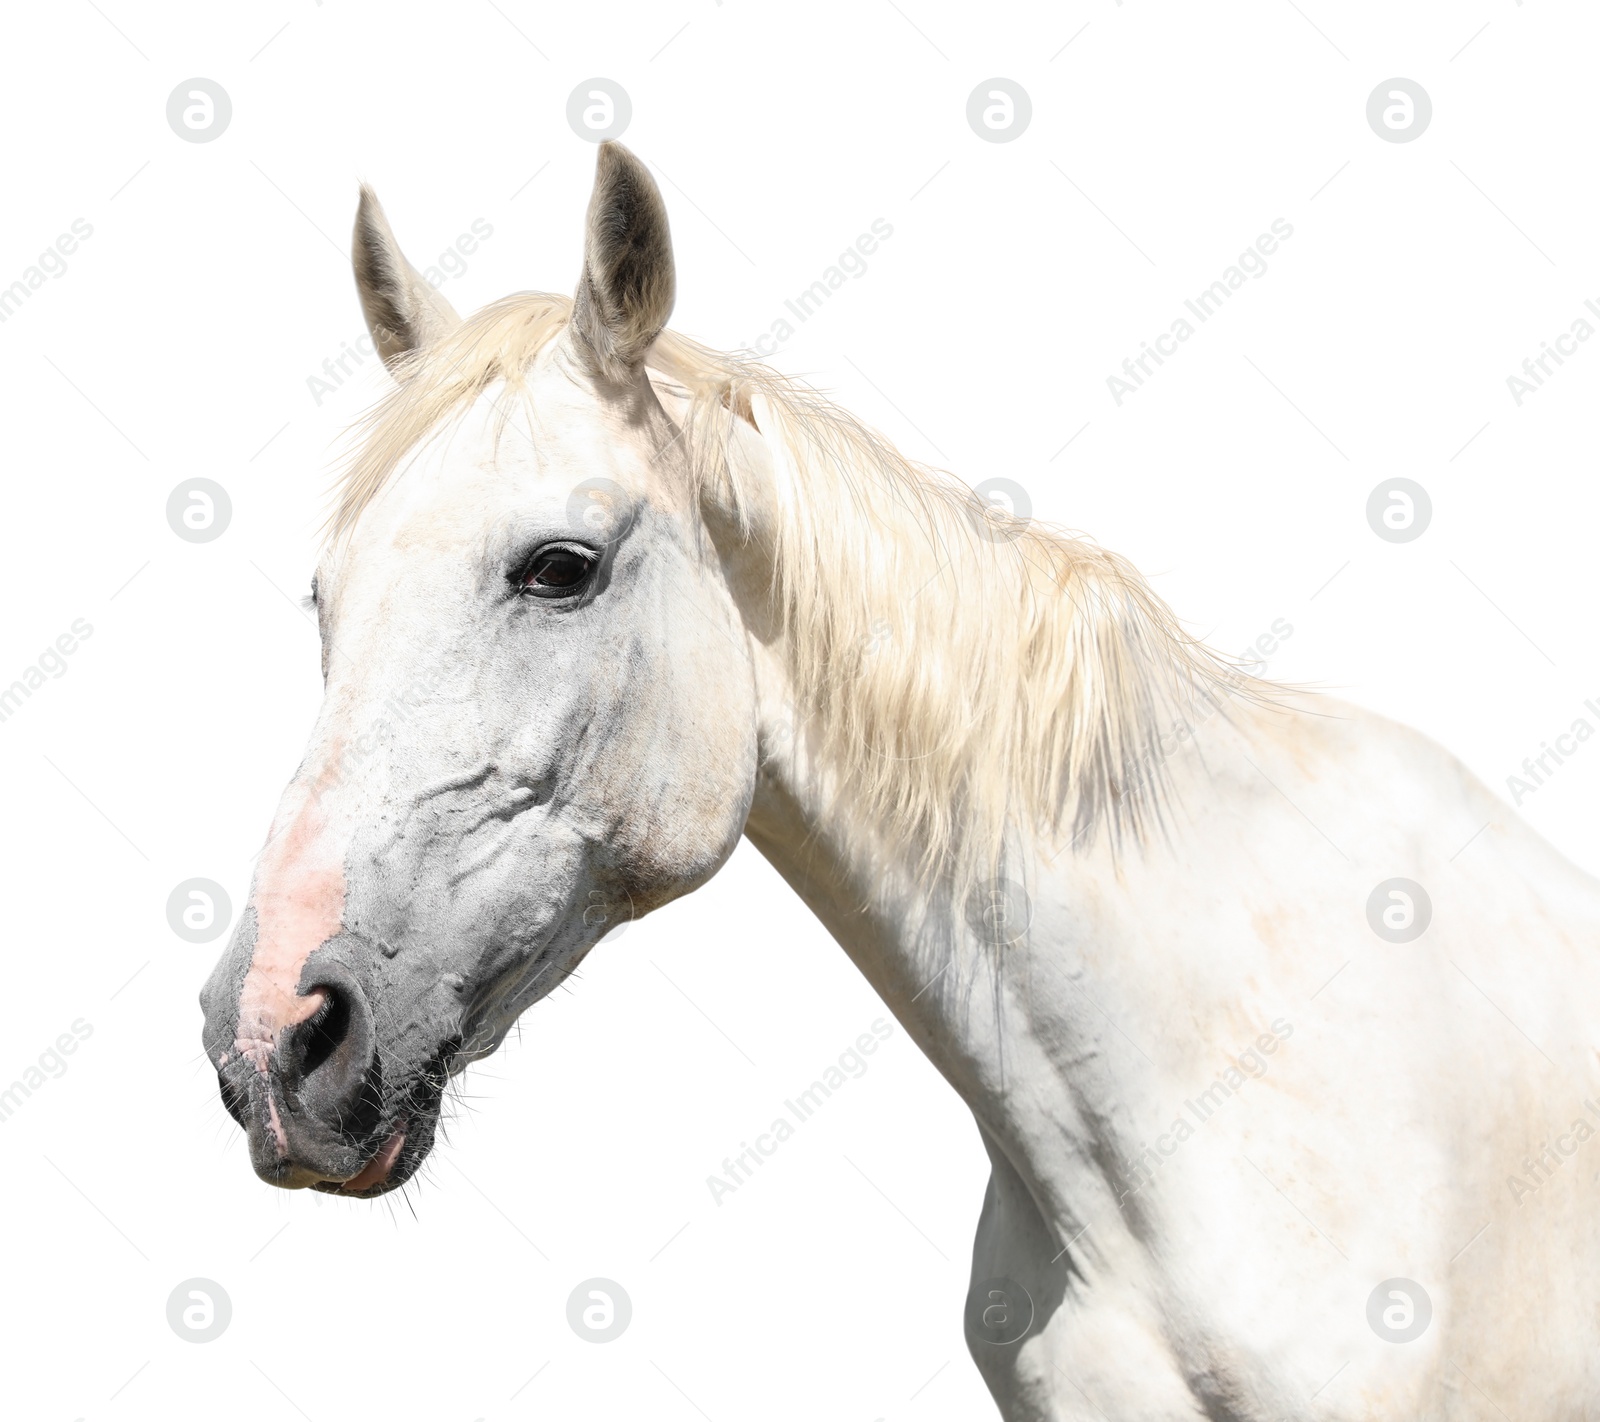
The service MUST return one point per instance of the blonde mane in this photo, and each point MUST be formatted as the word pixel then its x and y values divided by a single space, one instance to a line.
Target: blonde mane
pixel 961 673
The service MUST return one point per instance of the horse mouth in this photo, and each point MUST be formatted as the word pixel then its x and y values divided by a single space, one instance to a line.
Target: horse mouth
pixel 387 1170
pixel 410 1137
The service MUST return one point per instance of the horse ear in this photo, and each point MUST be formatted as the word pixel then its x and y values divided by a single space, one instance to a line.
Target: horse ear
pixel 625 294
pixel 403 312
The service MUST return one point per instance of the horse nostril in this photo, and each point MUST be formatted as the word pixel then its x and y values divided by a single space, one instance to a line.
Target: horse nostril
pixel 322 1034
pixel 327 1065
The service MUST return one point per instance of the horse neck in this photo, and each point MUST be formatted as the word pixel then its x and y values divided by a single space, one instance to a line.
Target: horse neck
pixel 897 850
pixel 909 938
pixel 910 934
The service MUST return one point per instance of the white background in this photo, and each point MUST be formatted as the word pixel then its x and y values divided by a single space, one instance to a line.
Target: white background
pixel 1165 138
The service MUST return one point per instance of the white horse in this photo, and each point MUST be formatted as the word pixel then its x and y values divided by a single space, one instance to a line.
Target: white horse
pixel 1278 1027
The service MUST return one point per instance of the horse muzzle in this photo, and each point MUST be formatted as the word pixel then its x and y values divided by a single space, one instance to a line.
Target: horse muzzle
pixel 310 1093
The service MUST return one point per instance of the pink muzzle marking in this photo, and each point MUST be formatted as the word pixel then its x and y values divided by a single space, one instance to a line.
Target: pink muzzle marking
pixel 299 904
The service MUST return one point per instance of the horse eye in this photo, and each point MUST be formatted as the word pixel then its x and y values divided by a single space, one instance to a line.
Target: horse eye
pixel 556 572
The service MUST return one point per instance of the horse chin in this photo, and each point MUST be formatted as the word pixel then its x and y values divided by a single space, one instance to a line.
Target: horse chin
pixel 394 1163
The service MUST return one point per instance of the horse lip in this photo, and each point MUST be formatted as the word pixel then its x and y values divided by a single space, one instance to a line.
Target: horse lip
pixel 307 1156
pixel 286 1175
pixel 377 1170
